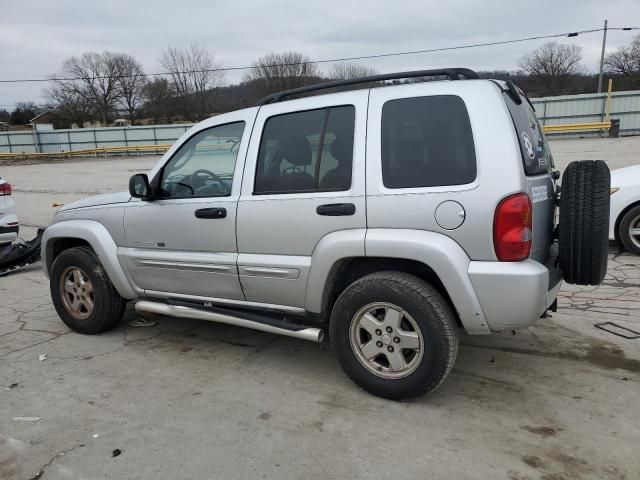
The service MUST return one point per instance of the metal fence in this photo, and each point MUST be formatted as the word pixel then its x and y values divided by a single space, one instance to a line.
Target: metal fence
pixel 54 141
pixel 590 107
pixel 585 108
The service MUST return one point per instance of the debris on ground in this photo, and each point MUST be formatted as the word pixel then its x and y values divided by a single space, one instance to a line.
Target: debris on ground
pixel 96 435
pixel 141 322
pixel 42 357
pixel 619 330
pixel 12 386
pixel 116 452
pixel 27 419
pixel 20 254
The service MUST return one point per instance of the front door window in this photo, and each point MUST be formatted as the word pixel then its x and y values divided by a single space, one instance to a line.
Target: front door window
pixel 204 165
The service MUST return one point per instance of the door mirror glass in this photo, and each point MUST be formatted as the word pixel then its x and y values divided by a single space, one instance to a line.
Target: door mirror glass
pixel 139 186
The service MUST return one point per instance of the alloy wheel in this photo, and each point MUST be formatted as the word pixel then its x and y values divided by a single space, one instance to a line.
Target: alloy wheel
pixel 76 291
pixel 386 340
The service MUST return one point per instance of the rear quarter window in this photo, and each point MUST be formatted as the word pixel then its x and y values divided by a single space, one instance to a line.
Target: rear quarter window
pixel 427 142
pixel 536 156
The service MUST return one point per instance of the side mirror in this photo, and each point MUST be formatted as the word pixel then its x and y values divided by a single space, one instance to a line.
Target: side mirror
pixel 139 186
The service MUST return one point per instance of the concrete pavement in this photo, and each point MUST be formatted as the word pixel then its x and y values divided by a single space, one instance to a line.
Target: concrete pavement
pixel 191 400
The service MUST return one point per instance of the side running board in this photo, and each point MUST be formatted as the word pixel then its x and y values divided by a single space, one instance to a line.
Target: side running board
pixel 239 319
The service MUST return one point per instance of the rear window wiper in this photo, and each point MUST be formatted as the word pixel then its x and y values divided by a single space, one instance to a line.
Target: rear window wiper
pixel 514 93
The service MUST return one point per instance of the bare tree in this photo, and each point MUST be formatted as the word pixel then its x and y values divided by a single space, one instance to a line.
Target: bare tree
pixel 553 64
pixel 281 71
pixel 347 71
pixel 23 113
pixel 160 101
pixel 131 83
pixel 626 60
pixel 194 76
pixel 96 77
pixel 71 105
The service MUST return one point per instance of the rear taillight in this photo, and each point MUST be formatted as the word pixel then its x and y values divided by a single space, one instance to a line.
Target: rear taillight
pixel 5 189
pixel 512 228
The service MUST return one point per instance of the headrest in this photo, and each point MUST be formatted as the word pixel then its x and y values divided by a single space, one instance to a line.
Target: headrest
pixel 296 149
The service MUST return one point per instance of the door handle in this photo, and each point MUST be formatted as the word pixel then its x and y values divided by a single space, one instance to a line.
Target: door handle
pixel 217 212
pixel 336 209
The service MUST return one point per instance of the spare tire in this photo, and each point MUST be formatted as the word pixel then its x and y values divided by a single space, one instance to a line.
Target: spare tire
pixel 583 232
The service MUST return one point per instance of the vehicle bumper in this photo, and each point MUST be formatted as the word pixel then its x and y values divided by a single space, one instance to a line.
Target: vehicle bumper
pixel 9 234
pixel 514 294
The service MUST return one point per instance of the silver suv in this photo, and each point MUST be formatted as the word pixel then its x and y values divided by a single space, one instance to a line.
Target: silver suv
pixel 391 216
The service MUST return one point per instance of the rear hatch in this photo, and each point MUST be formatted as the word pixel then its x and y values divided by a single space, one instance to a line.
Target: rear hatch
pixel 538 166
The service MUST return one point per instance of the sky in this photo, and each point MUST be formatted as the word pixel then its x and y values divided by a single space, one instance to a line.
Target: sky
pixel 37 36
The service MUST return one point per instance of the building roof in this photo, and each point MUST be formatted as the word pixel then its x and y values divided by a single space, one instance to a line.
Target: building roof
pixel 43 117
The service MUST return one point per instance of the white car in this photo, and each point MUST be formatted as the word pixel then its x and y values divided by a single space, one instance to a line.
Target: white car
pixel 624 223
pixel 9 224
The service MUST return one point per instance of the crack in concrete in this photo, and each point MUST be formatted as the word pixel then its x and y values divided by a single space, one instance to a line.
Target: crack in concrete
pixel 61 453
pixel 30 346
pixel 23 328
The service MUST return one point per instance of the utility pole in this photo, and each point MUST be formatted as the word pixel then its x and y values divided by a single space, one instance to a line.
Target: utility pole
pixel 604 43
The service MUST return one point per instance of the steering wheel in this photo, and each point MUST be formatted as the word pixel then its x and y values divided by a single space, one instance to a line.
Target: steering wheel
pixel 209 174
pixel 202 172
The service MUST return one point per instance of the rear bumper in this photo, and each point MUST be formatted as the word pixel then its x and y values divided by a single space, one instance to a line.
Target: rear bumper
pixel 9 234
pixel 514 294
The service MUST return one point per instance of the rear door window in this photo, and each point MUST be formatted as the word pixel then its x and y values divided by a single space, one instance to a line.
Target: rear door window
pixel 306 151
pixel 536 155
pixel 427 142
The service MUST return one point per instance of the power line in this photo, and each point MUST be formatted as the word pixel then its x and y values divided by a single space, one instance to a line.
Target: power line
pixel 333 60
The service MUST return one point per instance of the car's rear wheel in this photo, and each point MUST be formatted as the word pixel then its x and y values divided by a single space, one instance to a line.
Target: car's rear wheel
pixel 394 335
pixel 629 230
pixel 584 222
pixel 82 294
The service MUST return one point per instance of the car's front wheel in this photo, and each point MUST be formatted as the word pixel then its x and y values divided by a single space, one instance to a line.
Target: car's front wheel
pixel 82 294
pixel 629 230
pixel 394 335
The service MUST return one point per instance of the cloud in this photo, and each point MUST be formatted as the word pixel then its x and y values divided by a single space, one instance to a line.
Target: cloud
pixel 36 37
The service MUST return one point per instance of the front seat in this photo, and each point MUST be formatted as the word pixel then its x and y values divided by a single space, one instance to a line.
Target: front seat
pixel 296 150
pixel 339 178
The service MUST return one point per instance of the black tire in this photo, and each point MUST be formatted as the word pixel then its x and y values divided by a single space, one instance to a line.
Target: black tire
pixel 429 310
pixel 631 219
pixel 108 305
pixel 584 222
